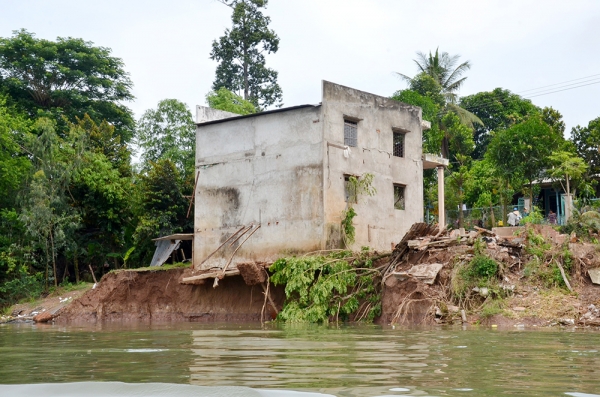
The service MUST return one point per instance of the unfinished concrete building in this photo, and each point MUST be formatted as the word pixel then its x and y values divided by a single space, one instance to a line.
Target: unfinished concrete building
pixel 276 182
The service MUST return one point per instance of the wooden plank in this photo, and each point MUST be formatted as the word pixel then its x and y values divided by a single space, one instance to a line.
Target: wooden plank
pixel 213 274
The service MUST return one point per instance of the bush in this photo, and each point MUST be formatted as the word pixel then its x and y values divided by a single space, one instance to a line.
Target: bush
pixel 481 271
pixel 24 286
pixel 322 288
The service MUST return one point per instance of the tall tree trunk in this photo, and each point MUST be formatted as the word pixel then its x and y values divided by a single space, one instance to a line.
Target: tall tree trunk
pixel 76 264
pixel 245 75
pixel 53 259
pixel 492 215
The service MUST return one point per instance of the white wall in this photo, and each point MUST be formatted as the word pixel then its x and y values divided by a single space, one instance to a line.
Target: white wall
pixel 377 224
pixel 263 169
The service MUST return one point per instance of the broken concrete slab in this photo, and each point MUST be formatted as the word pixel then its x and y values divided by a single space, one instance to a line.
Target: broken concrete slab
pixel 427 273
pixel 594 275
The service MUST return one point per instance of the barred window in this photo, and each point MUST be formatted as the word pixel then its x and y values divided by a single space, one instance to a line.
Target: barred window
pixel 350 133
pixel 398 149
pixel 399 197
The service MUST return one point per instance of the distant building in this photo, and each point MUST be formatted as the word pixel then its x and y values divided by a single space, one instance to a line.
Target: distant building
pixel 287 171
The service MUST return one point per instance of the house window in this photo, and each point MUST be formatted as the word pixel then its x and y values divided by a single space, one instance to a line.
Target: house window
pixel 398 149
pixel 399 197
pixel 349 190
pixel 350 133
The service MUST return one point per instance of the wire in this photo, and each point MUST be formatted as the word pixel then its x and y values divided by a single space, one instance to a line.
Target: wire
pixel 568 81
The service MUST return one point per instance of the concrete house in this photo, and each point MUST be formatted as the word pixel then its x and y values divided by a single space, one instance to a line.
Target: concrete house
pixel 275 182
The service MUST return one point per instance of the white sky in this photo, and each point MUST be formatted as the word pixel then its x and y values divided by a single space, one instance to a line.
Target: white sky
pixel 514 44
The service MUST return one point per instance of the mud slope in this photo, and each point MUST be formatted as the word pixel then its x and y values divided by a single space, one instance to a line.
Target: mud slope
pixel 148 296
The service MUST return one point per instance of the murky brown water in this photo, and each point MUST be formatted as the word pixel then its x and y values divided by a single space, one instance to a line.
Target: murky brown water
pixel 344 361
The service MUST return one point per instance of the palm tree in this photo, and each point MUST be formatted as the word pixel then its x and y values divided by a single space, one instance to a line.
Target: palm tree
pixel 441 67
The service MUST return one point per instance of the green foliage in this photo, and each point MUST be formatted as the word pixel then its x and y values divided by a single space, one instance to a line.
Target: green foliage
pixel 586 225
pixel 523 150
pixel 22 286
pixel 432 138
pixel 480 271
pixel 223 99
pixel 535 217
pixel 542 265
pixel 241 55
pixel 587 142
pixel 482 267
pixel 356 187
pixel 168 132
pixel 443 69
pixel 14 161
pixel 160 208
pixel 492 308
pixel 498 110
pixel 348 230
pixel 67 77
pixel 327 288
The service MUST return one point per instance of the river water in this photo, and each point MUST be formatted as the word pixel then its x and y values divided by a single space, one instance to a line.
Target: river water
pixel 247 360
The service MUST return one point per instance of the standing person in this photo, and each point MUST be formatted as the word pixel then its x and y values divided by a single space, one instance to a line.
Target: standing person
pixel 552 218
pixel 525 212
pixel 514 217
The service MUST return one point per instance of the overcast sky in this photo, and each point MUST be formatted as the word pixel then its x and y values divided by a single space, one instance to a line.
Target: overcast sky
pixel 518 45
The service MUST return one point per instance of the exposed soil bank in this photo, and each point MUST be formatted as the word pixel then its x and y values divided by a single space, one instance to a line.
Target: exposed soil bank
pixel 157 296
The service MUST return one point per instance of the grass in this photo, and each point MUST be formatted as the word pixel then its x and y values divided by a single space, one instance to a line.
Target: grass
pixel 178 265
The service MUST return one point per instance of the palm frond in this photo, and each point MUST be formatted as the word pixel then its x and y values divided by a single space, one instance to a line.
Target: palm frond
pixel 466 117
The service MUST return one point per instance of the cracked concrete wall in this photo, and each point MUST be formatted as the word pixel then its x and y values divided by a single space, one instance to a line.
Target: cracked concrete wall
pixel 285 170
pixel 263 169
pixel 377 224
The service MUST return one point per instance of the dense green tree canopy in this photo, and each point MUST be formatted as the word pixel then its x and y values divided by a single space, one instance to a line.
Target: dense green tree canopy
pixel 498 109
pixel 168 132
pixel 241 55
pixel 587 143
pixel 524 149
pixel 68 77
pixel 223 99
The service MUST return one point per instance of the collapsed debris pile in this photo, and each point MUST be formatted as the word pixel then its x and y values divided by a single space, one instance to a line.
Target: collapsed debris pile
pixel 532 275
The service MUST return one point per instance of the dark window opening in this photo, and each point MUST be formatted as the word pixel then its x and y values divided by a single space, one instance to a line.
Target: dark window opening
pixel 349 190
pixel 399 197
pixel 398 144
pixel 350 133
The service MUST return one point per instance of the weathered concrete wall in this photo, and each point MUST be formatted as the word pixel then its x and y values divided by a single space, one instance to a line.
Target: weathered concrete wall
pixel 264 169
pixel 204 113
pixel 378 224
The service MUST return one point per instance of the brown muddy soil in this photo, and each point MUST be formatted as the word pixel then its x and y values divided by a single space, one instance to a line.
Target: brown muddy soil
pixel 528 304
pixel 157 296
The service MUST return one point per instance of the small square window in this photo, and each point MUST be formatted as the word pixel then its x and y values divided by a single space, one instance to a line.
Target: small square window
pixel 399 197
pixel 398 149
pixel 350 133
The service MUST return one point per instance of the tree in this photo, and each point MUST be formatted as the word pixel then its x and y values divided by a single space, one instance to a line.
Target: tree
pixel 442 68
pixel 523 150
pixel 168 132
pixel 67 77
pixel 241 55
pixel 161 207
pixel 587 143
pixel 47 216
pixel 462 145
pixel 14 161
pixel 567 167
pixel 439 79
pixel 223 99
pixel 497 109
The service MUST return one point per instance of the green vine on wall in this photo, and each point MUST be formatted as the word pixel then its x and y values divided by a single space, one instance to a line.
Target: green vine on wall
pixel 357 186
